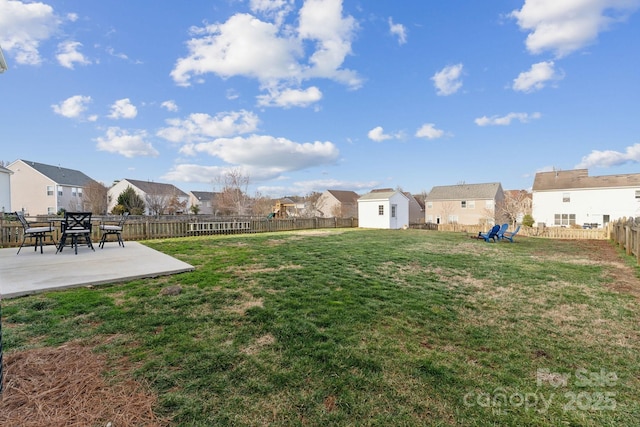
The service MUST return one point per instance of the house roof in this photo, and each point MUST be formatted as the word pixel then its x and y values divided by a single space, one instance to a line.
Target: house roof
pixel 381 195
pixel 580 179
pixel 344 196
pixel 203 195
pixel 60 175
pixel 5 170
pixel 465 191
pixel 150 187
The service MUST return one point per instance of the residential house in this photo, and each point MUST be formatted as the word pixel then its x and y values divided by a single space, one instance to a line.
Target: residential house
pixel 573 198
pixel 416 209
pixel 337 203
pixel 159 198
pixel 204 200
pixel 468 204
pixel 5 189
pixel 40 189
pixel 384 208
pixel 289 207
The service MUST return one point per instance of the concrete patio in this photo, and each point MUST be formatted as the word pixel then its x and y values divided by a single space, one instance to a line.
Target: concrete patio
pixel 31 272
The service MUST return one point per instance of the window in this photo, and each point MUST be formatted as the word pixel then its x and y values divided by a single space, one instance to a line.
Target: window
pixel 488 204
pixel 394 208
pixel 566 198
pixel 74 191
pixel 471 204
pixel 463 204
pixel 564 219
pixel 51 211
pixel 429 218
pixel 79 192
pixel 453 219
pixel 49 190
pixel 430 204
pixel 59 190
pixel 638 195
pixel 380 209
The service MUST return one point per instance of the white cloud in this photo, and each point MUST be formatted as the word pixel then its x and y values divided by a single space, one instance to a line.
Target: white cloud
pixel 608 158
pixel 123 109
pixel 399 31
pixel 290 98
pixel 274 9
pixel 429 131
pixel 72 107
pixel 565 26
pixel 120 141
pixel 506 120
pixel 170 105
pixel 377 134
pixel 447 81
pixel 200 127
pixel 537 77
pixel 267 156
pixel 68 54
pixel 23 26
pixel 271 52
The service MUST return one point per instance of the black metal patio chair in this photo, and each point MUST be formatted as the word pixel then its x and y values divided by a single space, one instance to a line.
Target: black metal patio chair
pixel 113 228
pixel 35 230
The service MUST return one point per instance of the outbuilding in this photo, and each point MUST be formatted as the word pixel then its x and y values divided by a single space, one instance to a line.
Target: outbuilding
pixel 384 208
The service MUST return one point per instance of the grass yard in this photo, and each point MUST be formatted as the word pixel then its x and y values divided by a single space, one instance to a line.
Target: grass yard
pixel 362 328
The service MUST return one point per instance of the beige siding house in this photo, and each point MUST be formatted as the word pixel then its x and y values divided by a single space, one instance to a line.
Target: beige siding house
pixel 40 189
pixel 469 204
pixel 157 196
pixel 5 189
pixel 338 203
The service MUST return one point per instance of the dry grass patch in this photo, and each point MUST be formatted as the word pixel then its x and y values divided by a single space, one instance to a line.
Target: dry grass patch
pixel 260 343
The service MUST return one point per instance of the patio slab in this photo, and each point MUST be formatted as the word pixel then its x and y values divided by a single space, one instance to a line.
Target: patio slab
pixel 31 272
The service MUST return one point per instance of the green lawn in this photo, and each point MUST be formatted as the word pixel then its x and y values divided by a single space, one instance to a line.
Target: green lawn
pixel 364 327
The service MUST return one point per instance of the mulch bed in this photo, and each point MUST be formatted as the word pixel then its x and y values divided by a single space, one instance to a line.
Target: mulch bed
pixel 66 386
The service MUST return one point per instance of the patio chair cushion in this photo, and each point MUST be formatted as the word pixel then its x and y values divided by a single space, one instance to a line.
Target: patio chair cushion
pixel 39 230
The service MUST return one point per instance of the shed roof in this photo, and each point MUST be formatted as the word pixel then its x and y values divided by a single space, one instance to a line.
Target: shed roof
pixel 381 195
pixel 580 179
pixel 60 175
pixel 465 191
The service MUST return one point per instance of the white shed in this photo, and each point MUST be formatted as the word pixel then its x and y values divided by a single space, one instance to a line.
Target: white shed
pixel 383 209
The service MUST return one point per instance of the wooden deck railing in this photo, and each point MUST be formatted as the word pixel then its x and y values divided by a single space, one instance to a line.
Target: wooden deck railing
pixel 149 228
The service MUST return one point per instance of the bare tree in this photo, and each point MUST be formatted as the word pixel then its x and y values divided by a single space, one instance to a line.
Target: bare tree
pixel 175 206
pixel 516 204
pixel 157 203
pixel 311 204
pixel 94 198
pixel 233 198
pixel 446 209
pixel 262 205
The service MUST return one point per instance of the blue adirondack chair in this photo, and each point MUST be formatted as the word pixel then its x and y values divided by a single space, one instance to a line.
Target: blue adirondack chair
pixel 491 235
pixel 503 229
pixel 508 235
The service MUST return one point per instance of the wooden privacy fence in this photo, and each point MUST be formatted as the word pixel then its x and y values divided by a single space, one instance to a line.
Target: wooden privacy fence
pixel 625 232
pixel 149 228
pixel 547 232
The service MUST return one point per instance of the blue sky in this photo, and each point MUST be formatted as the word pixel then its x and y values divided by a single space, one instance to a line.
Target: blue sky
pixel 312 95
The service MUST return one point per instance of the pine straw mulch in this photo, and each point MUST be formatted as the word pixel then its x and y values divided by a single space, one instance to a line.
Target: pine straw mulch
pixel 66 386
